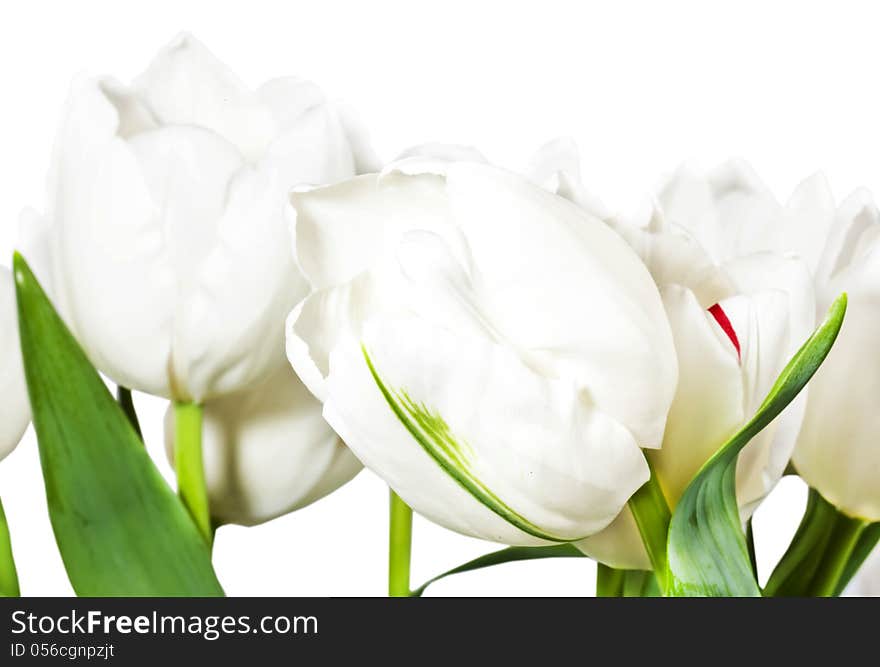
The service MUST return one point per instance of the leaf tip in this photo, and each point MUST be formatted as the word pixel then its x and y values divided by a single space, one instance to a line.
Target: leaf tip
pixel 20 269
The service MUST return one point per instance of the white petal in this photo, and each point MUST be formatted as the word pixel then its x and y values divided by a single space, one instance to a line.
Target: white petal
pixel 268 451
pixel 673 255
pixel 619 545
pixel 317 142
pixel 537 445
pixel 708 404
pixel 837 449
pixel 15 410
pixel 809 215
pixel 761 321
pixel 343 230
pixel 556 166
pixel 121 288
pixel 186 85
pixel 557 282
pixel 855 231
pixel 749 217
pixel 229 329
pixel 688 201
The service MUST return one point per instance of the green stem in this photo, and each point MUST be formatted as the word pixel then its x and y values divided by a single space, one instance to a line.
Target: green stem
pixel 123 397
pixel 841 545
pixel 651 512
pixel 609 581
pixel 399 547
pixel 189 466
pixel 750 544
pixel 8 574
pixel 797 567
pixel 867 541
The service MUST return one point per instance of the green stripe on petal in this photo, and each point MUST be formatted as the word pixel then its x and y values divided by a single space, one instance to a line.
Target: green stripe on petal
pixel 453 455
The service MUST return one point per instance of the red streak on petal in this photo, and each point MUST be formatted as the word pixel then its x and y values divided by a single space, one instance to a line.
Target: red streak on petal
pixel 721 317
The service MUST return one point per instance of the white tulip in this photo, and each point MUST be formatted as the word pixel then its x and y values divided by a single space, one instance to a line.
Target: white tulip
pixel 837 451
pixel 268 451
pixel 168 219
pixel 496 355
pixel 737 313
pixel 15 412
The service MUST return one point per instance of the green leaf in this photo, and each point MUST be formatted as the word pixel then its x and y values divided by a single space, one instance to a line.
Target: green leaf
pixel 707 550
pixel 868 540
pixel 651 513
pixel 8 573
pixel 120 529
pixel 793 573
pixel 508 555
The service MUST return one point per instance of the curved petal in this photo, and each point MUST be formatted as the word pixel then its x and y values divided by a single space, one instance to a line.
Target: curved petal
pixel 556 166
pixel 837 449
pixel 104 233
pixel 687 201
pixel 15 412
pixel 619 545
pixel 316 142
pixel 762 323
pixel 268 451
pixel 673 256
pixel 186 85
pixel 855 231
pixel 561 304
pixel 505 455
pixel 342 230
pixel 229 329
pixel 708 404
pixel 809 216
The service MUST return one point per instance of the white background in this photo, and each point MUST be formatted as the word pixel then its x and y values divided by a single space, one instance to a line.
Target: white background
pixel 792 87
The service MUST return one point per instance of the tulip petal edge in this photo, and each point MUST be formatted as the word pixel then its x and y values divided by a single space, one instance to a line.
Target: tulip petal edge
pixel 433 434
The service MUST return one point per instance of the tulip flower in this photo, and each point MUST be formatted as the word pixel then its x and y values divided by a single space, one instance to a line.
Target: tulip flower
pixel 837 452
pixel 168 219
pixel 15 410
pixel 495 354
pixel 268 451
pixel 738 312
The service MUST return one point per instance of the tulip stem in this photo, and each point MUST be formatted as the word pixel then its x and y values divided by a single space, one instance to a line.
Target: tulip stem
pixel 189 466
pixel 843 540
pixel 609 581
pixel 652 515
pixel 8 574
pixel 399 547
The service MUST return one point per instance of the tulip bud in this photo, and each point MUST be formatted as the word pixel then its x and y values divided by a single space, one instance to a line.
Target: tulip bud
pixel 168 203
pixel 15 412
pixel 496 355
pixel 268 451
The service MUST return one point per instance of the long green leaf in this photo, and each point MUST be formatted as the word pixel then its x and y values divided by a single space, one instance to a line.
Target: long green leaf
pixel 795 570
pixel 508 555
pixel 120 528
pixel 863 549
pixel 707 550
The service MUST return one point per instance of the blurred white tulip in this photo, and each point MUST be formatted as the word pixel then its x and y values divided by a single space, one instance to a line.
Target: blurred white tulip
pixel 15 411
pixel 268 451
pixel 166 240
pixel 494 353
